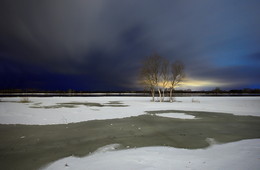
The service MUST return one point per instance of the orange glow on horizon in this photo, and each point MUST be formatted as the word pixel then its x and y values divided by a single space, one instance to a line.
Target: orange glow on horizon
pixel 189 83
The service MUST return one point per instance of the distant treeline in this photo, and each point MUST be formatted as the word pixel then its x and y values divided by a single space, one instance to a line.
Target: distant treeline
pixel 61 91
pixel 214 91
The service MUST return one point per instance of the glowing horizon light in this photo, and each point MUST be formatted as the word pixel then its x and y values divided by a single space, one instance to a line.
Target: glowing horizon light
pixel 190 83
pixel 199 83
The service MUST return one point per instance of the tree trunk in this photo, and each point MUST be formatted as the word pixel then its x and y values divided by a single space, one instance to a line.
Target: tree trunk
pixel 171 100
pixel 152 91
pixel 160 95
pixel 163 95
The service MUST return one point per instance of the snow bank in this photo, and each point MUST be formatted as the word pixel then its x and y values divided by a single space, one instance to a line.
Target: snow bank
pixel 12 112
pixel 238 155
pixel 176 115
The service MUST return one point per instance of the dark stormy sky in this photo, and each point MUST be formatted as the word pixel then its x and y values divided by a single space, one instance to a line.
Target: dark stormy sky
pixel 99 44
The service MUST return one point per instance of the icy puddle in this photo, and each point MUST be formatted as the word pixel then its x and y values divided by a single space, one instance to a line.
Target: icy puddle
pixel 176 115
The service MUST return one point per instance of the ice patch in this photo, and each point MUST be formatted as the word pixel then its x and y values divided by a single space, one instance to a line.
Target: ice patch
pixel 211 141
pixel 108 148
pixel 176 115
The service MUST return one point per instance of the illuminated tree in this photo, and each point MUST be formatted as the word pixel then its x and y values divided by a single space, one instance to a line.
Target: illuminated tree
pixel 176 76
pixel 164 76
pixel 158 73
pixel 150 73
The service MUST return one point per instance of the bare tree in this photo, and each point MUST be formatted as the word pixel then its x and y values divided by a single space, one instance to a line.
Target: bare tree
pixel 164 76
pixel 176 76
pixel 158 74
pixel 150 73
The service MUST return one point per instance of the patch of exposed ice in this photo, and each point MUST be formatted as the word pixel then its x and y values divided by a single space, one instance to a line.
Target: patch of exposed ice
pixel 107 148
pixel 211 141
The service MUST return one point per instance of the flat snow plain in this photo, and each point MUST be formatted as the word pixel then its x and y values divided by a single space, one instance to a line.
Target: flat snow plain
pixel 14 112
pixel 237 155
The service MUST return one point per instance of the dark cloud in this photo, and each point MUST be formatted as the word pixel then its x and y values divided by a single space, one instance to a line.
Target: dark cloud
pixel 96 45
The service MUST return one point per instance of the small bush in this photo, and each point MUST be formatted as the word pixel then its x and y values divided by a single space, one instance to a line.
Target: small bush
pixel 173 99
pixel 24 100
pixel 195 100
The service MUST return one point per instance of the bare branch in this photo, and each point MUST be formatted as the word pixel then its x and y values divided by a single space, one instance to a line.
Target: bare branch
pixel 177 75
pixel 150 72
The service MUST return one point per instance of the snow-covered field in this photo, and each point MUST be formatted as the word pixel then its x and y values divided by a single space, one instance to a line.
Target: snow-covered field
pixel 23 113
pixel 238 155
